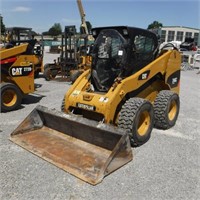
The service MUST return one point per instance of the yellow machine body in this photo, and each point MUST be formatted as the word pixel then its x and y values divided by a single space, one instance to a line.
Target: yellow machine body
pixel 104 105
pixel 129 89
pixel 17 76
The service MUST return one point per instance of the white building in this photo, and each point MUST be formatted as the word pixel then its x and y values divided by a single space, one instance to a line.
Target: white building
pixel 179 33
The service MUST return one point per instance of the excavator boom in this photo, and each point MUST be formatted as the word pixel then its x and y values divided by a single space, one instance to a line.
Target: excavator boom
pixel 82 15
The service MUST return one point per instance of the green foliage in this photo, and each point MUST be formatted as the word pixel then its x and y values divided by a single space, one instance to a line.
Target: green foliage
pixel 2 26
pixel 155 25
pixel 45 33
pixel 55 30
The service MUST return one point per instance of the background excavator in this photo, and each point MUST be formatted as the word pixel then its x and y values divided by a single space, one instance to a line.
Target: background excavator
pixel 130 88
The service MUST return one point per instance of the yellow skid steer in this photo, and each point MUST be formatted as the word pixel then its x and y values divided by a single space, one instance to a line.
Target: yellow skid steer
pixel 17 74
pixel 130 89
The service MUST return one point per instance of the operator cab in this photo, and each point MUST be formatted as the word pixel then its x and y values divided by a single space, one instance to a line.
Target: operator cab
pixel 21 35
pixel 108 58
pixel 120 52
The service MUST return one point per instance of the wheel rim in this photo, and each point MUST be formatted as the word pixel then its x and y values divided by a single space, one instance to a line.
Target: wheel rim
pixel 143 123
pixel 172 110
pixel 9 98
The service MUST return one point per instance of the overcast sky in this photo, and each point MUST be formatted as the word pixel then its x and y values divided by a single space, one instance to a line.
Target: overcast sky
pixel 42 14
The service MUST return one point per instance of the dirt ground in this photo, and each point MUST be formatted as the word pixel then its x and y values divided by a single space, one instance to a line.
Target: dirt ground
pixel 166 167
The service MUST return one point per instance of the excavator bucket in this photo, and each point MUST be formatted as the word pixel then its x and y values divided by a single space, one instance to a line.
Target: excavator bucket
pixel 82 147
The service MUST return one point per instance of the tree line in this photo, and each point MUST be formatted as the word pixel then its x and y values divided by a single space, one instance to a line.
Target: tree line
pixel 56 29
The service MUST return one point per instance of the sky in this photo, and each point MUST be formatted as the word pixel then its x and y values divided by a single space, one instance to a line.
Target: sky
pixel 40 15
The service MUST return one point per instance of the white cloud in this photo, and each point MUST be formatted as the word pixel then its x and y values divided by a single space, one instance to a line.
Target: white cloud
pixel 21 9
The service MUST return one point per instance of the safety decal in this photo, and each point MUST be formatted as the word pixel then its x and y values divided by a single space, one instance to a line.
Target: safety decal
pixel 76 92
pixel 103 99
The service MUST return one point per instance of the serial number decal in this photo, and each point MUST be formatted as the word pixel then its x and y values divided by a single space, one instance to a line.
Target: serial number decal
pixel 86 107
pixel 27 69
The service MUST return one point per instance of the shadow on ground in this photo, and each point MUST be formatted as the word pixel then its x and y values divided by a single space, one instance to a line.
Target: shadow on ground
pixel 32 98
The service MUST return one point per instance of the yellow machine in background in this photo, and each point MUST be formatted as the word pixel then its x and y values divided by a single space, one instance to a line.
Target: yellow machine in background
pixel 74 57
pixel 75 51
pixel 17 75
pixel 19 35
pixel 130 89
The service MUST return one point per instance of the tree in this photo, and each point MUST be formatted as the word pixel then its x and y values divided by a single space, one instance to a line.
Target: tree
pixel 155 25
pixel 45 33
pixel 2 26
pixel 55 30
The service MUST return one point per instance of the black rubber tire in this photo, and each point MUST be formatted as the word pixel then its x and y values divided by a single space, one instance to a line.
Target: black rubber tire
pixel 48 75
pixel 63 105
pixel 36 74
pixel 11 97
pixel 46 66
pixel 166 109
pixel 137 118
pixel 74 76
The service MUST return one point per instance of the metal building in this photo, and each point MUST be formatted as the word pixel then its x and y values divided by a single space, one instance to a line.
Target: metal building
pixel 179 33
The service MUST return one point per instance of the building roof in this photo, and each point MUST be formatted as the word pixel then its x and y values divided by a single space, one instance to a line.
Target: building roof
pixel 181 27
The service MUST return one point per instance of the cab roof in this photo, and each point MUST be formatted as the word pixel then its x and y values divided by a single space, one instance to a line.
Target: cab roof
pixel 126 31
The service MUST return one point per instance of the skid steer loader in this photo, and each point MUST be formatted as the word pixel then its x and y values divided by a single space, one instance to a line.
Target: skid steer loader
pixel 130 88
pixel 17 74
pixel 19 35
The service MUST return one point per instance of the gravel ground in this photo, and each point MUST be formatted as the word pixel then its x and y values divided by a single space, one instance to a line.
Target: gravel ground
pixel 167 167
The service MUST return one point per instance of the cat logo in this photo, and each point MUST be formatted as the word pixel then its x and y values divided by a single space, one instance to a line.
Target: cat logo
pixel 174 80
pixel 16 71
pixel 144 75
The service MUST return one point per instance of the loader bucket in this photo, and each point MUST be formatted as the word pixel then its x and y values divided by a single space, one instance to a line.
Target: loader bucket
pixel 79 146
